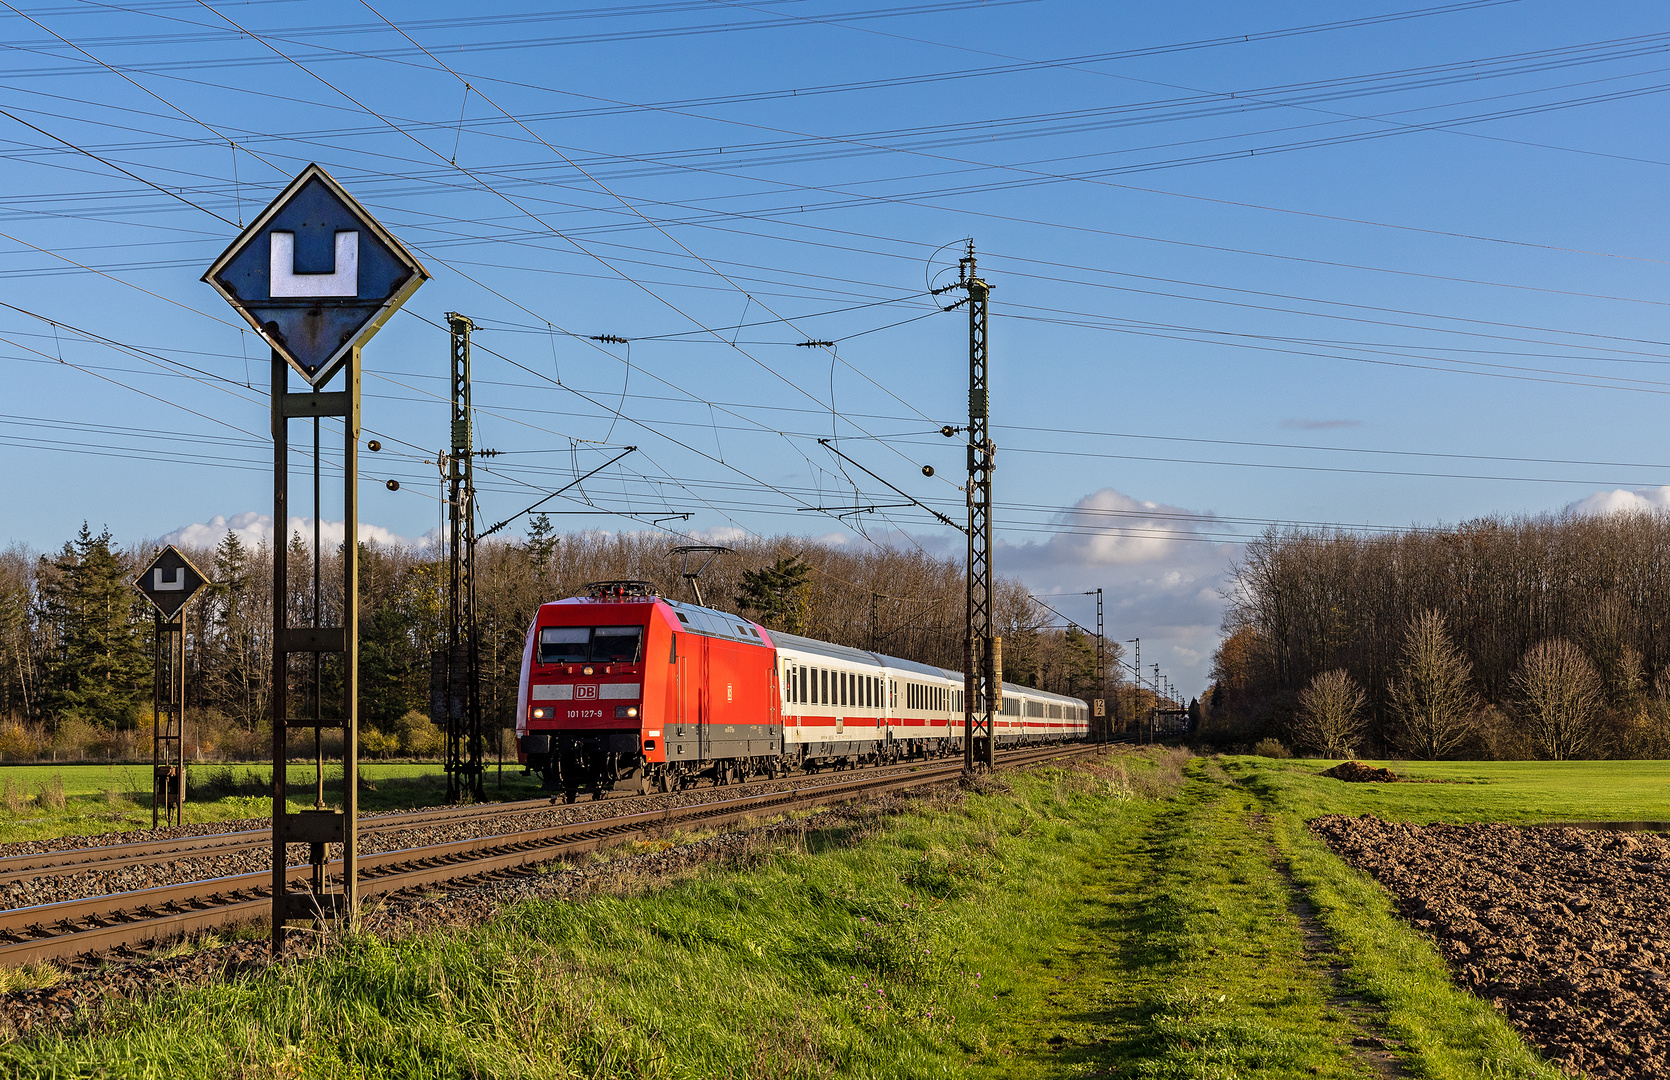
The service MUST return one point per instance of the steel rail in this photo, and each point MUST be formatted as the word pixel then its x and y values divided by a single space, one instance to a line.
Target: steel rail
pixel 77 928
pixel 197 845
pixel 207 845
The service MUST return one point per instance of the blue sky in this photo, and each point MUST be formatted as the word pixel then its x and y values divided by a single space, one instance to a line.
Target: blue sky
pixel 1367 264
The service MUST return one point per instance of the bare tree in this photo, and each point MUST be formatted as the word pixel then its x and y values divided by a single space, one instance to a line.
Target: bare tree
pixel 1432 696
pixel 1330 715
pixel 1559 696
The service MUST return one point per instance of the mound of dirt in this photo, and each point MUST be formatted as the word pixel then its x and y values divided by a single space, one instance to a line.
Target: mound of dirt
pixel 1355 772
pixel 1563 930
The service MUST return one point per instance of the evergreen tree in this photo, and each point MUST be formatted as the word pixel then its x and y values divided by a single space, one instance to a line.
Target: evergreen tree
pixel 100 670
pixel 235 665
pixel 778 593
pixel 541 549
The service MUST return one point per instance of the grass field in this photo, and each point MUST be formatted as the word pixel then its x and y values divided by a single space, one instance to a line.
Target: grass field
pixel 1509 791
pixel 43 801
pixel 1144 918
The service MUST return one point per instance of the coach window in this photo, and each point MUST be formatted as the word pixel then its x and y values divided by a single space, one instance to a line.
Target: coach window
pixel 823 680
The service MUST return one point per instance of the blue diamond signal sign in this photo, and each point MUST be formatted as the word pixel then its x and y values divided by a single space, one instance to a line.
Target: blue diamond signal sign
pixel 315 274
pixel 170 581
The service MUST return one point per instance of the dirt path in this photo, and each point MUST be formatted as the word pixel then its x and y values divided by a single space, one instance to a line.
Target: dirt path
pixel 1371 1043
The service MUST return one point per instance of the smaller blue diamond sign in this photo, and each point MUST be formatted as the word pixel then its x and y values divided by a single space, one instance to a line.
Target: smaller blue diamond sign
pixel 316 275
pixel 170 581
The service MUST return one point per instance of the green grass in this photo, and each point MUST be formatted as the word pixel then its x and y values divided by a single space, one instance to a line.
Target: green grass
pixel 115 798
pixel 1114 921
pixel 1508 791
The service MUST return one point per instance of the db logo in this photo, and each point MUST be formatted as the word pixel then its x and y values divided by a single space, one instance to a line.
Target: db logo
pixel 586 691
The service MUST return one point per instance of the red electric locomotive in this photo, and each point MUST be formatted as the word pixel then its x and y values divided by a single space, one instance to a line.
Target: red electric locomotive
pixel 624 685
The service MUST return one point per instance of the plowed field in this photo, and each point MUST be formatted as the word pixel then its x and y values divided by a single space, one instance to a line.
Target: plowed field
pixel 1567 931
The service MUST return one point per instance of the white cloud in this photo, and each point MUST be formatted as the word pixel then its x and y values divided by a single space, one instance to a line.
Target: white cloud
pixel 1109 528
pixel 1162 577
pixel 1641 500
pixel 720 535
pixel 252 528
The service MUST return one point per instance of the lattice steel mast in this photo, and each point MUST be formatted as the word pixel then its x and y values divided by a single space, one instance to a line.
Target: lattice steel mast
pixel 1099 708
pixel 982 668
pixel 465 742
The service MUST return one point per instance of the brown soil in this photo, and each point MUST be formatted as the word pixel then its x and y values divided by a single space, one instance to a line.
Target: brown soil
pixel 1355 772
pixel 1566 931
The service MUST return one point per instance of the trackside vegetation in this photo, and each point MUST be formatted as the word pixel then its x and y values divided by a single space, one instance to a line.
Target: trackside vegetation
pixel 1142 916
pixel 40 802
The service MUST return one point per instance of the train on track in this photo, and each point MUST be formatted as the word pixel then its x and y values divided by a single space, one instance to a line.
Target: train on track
pixel 624 686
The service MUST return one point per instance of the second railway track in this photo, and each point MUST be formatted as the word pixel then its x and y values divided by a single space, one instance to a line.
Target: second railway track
pixel 203 845
pixel 100 924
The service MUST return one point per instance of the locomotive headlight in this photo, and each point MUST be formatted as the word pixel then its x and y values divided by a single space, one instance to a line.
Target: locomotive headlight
pixel 632 710
pixel 539 714
pixel 586 670
pixel 623 712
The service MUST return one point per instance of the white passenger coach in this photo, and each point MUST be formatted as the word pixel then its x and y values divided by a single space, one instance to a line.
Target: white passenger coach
pixel 842 705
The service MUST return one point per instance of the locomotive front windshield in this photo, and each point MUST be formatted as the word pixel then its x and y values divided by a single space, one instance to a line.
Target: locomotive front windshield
pixel 596 644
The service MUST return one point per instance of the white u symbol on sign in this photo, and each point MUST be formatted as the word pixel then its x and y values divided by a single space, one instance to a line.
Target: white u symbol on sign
pixel 344 280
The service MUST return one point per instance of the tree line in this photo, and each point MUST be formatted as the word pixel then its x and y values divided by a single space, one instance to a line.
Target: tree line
pixel 75 636
pixel 1504 637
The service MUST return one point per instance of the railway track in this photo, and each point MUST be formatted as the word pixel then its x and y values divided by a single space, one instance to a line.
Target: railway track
pixel 112 856
pixel 103 924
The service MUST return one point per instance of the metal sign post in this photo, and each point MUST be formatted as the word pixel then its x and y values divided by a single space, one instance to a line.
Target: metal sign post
pixel 316 276
pixel 169 583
